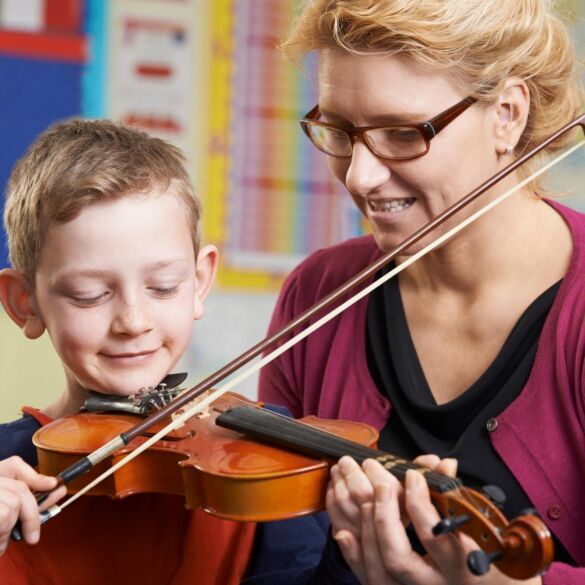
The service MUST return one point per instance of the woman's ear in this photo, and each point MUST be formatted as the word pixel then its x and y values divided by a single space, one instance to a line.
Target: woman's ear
pixel 511 116
pixel 17 298
pixel 205 275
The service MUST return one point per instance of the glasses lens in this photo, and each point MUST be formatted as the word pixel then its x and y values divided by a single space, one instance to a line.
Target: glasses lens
pixel 396 142
pixel 330 140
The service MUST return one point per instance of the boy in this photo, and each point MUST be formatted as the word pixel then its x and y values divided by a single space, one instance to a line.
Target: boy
pixel 103 236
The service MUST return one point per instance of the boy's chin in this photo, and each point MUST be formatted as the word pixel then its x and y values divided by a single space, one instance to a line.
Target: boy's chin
pixel 123 388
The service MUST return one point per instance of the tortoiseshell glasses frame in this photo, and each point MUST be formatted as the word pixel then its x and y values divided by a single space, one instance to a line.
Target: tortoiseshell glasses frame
pixel 390 141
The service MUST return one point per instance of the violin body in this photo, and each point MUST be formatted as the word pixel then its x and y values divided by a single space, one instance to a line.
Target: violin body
pixel 214 468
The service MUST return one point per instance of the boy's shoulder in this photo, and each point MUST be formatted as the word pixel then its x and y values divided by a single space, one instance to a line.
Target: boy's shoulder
pixel 16 438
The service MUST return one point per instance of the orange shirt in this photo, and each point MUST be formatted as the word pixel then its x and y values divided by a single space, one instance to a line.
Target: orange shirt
pixel 143 539
pixel 147 539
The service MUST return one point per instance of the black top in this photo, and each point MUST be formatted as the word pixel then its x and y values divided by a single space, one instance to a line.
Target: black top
pixel 458 429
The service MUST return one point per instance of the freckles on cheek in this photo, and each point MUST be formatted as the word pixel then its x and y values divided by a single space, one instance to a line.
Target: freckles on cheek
pixel 72 332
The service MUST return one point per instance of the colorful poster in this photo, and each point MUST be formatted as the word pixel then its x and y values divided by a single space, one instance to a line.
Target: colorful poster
pixel 271 196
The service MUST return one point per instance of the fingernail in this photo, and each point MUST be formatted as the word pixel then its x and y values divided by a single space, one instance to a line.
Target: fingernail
pixel 34 536
pixel 368 464
pixel 382 492
pixel 344 463
pixel 411 481
pixel 341 538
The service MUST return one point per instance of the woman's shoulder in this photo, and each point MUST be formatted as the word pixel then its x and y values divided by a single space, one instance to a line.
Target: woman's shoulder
pixel 575 219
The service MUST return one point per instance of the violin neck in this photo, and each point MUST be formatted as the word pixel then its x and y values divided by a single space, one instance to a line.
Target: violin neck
pixel 281 431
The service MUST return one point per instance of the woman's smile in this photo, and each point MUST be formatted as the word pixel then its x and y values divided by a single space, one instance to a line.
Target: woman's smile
pixel 382 210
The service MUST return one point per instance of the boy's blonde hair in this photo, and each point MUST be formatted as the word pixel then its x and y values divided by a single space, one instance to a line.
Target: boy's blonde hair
pixel 77 163
pixel 482 42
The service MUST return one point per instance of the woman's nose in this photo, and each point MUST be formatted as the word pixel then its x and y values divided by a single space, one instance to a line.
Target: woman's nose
pixel 131 318
pixel 366 171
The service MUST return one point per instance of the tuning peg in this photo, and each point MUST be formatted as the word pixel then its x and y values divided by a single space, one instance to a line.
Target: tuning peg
pixel 449 524
pixel 529 512
pixel 479 561
pixel 494 494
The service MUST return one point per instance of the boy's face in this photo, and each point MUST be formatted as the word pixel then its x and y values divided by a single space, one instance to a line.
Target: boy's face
pixel 118 288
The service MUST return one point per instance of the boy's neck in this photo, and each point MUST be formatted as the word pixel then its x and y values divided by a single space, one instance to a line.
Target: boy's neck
pixel 67 403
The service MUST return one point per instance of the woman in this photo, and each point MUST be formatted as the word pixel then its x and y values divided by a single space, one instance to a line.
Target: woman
pixel 475 352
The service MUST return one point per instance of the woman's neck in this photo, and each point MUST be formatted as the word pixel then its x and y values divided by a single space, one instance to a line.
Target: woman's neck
pixel 522 241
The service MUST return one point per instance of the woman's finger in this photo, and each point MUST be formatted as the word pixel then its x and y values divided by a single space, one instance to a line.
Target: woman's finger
pixel 445 550
pixel 429 460
pixel 358 485
pixel 351 551
pixel 343 513
pixel 379 549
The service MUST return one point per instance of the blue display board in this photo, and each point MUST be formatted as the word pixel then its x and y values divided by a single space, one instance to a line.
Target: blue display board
pixel 33 94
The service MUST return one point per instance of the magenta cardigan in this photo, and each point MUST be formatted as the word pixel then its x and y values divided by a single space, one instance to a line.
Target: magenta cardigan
pixel 540 436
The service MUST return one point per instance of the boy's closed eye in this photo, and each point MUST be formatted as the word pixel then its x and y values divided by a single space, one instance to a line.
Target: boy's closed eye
pixel 165 291
pixel 90 299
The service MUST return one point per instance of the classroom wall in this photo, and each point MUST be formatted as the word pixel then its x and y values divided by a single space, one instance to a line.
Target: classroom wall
pixel 223 94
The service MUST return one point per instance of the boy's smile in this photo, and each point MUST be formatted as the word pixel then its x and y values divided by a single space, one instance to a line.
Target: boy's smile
pixel 118 288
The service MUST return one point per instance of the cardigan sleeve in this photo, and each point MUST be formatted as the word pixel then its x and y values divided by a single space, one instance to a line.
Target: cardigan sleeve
pixel 561 574
pixel 277 383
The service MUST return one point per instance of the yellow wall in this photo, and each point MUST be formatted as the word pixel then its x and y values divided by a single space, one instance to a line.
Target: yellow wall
pixel 31 372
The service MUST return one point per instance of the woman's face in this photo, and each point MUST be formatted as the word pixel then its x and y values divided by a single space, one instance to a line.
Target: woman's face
pixel 398 197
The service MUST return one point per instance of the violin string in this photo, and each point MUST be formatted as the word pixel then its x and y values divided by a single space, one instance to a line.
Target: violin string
pixel 206 401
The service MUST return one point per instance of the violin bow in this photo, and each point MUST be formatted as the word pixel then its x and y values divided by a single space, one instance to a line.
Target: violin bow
pixel 86 463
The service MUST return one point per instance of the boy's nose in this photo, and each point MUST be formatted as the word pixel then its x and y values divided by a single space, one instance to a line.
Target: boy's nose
pixel 131 318
pixel 366 171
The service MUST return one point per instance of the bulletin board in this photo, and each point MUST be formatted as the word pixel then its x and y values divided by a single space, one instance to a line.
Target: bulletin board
pixel 157 71
pixel 43 49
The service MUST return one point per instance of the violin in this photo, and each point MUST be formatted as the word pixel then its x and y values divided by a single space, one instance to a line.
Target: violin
pixel 242 462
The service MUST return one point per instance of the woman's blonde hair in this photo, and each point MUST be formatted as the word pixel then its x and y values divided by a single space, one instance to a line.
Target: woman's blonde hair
pixel 481 42
pixel 77 163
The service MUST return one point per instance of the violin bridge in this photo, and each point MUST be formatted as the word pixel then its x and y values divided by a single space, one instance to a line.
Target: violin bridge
pixel 202 414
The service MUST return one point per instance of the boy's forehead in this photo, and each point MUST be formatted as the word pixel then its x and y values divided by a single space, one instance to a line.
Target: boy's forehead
pixel 152 227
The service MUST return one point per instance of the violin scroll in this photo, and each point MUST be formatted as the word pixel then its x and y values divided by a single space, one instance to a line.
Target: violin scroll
pixel 520 548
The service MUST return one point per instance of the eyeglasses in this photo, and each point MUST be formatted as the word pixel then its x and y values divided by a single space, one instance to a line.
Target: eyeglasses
pixel 392 141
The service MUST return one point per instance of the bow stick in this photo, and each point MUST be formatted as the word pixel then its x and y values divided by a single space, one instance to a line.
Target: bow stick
pixel 194 392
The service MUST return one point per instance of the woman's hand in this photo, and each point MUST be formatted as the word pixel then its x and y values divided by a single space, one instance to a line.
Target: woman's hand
pixel 369 525
pixel 17 481
pixel 351 487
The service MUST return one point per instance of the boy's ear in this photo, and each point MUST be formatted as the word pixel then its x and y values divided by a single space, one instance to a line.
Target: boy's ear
pixel 205 275
pixel 17 297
